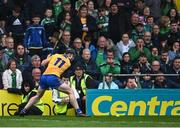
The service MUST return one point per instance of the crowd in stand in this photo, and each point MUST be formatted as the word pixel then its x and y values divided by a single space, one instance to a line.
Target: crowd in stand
pixel 109 37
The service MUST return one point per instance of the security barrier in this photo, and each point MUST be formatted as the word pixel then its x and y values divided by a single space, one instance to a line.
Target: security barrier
pixel 110 102
pixel 133 102
pixel 9 103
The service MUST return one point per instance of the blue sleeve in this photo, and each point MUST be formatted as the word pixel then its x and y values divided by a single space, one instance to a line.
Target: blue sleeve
pixel 26 38
pixel 44 39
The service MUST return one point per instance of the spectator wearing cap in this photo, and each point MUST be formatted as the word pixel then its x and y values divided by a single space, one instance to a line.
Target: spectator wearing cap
pixel 66 7
pixel 175 69
pixel 35 37
pixel 118 23
pixel 107 82
pixel 83 24
pixel 81 82
pixel 89 65
pixel 111 65
pixel 136 51
pixel 138 32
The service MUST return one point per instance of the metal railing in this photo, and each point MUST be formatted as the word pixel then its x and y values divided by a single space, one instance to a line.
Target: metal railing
pixel 147 75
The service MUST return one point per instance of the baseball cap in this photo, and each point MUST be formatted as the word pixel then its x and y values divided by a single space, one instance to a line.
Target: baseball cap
pixel 79 66
pixel 66 2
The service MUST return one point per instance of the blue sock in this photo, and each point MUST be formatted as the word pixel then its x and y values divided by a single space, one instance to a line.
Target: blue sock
pixel 78 110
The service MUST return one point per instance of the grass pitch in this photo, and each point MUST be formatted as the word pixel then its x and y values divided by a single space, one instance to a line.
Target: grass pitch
pixel 103 121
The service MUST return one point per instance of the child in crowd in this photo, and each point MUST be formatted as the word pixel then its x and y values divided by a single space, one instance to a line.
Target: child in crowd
pixel 102 22
pixel 35 37
pixel 49 23
pixel 66 23
pixel 88 45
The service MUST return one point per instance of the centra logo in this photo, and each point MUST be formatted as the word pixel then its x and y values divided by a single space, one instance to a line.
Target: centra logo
pixel 153 107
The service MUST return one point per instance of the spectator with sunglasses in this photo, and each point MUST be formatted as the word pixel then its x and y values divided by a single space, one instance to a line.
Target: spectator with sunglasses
pixel 108 82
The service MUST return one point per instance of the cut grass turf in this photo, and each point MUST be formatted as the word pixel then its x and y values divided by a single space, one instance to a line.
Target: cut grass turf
pixel 103 121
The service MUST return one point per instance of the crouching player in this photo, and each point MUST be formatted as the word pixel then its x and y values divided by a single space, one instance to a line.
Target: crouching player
pixel 57 65
pixel 62 100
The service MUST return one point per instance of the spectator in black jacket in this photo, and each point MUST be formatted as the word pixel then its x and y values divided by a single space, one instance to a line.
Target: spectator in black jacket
pixel 174 34
pixel 35 7
pixel 164 61
pixel 15 25
pixel 83 24
pixel 90 66
pixel 118 23
pixel 63 44
pixel 175 69
pixel 161 81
